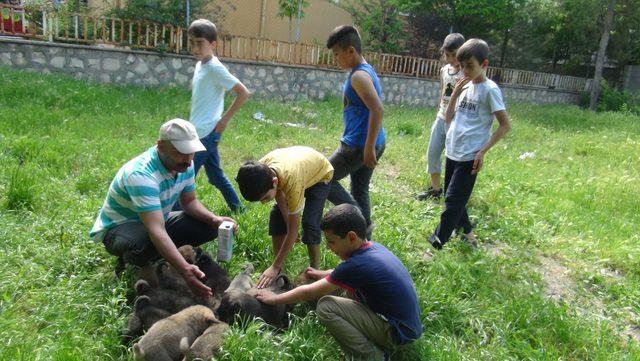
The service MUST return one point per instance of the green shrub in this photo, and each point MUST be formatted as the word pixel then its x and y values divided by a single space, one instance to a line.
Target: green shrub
pixel 20 193
pixel 612 99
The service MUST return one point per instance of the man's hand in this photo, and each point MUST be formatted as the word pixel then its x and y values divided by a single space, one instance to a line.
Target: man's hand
pixel 268 276
pixel 315 274
pixel 457 89
pixel 370 157
pixel 217 221
pixel 266 296
pixel 477 162
pixel 192 275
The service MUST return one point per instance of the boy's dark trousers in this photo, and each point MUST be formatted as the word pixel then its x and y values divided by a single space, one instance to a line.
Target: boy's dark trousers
pixel 458 185
pixel 346 161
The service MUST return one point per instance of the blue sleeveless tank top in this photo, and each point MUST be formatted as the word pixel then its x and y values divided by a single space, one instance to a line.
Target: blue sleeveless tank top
pixel 356 114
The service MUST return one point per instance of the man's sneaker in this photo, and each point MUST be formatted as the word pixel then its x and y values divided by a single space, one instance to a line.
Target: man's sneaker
pixel 431 193
pixel 435 241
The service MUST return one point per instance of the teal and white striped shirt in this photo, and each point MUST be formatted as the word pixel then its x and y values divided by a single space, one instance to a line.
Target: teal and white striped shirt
pixel 141 185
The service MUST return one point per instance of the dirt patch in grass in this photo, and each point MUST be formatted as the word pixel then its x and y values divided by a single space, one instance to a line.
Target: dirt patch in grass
pixel 558 284
pixel 495 249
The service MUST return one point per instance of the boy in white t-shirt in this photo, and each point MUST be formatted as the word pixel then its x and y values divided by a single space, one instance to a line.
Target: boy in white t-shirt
pixel 449 75
pixel 475 101
pixel 211 79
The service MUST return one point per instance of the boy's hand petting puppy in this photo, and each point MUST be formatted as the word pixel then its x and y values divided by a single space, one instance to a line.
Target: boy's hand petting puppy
pixel 316 274
pixel 266 296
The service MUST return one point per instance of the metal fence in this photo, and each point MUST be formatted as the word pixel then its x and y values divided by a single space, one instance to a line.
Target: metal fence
pixel 82 28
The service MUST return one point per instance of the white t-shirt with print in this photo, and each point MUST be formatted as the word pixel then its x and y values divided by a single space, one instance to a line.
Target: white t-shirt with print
pixel 470 128
pixel 448 78
pixel 210 81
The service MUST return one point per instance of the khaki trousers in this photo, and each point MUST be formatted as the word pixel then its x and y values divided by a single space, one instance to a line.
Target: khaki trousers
pixel 361 333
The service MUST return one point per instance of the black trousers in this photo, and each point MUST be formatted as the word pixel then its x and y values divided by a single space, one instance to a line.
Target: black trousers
pixel 458 185
pixel 131 240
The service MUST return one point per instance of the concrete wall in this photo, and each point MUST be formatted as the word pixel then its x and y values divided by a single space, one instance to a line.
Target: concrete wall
pixel 268 80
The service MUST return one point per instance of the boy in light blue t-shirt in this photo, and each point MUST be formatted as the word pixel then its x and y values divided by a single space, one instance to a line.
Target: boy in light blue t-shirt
pixel 475 101
pixel 211 79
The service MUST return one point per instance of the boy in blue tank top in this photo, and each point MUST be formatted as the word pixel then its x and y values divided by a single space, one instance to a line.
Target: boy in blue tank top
pixel 363 139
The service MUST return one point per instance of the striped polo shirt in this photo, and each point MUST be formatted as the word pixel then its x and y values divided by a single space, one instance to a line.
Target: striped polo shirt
pixel 141 185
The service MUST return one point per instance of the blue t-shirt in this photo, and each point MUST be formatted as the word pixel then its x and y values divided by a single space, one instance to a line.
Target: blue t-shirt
pixel 355 114
pixel 382 283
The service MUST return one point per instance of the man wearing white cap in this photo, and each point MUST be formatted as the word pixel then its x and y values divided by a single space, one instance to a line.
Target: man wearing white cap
pixel 136 223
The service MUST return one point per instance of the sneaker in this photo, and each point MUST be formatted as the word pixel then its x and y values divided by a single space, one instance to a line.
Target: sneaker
pixel 431 193
pixel 435 241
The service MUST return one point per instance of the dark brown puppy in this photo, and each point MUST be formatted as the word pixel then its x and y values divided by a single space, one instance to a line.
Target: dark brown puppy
pixel 206 345
pixel 215 277
pixel 162 341
pixel 166 298
pixel 143 317
pixel 172 282
pixel 239 299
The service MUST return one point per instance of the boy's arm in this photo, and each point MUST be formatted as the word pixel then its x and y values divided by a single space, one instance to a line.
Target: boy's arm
pixel 363 85
pixel 292 221
pixel 299 294
pixel 242 94
pixel 453 101
pixel 503 128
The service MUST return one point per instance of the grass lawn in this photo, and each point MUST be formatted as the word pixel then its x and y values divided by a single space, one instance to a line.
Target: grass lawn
pixel 557 275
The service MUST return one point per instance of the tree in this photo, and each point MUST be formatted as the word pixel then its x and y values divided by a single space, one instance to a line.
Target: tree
pixel 160 11
pixel 486 19
pixel 602 48
pixel 289 9
pixel 380 24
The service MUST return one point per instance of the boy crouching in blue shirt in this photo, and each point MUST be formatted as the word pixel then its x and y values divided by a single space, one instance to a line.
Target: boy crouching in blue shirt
pixel 383 311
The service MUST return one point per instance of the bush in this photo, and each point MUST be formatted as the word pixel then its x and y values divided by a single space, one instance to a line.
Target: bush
pixel 612 99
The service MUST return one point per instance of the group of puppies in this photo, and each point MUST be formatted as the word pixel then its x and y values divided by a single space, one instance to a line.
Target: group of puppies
pixel 176 324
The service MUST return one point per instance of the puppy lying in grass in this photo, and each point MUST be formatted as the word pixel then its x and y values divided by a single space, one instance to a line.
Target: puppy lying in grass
pixel 162 341
pixel 240 299
pixel 216 277
pixel 143 317
pixel 206 345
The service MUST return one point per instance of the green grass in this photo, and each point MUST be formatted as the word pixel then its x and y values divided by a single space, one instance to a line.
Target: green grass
pixel 576 202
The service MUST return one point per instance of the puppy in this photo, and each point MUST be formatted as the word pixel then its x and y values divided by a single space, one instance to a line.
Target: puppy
pixel 206 345
pixel 143 317
pixel 172 282
pixel 240 299
pixel 162 341
pixel 166 299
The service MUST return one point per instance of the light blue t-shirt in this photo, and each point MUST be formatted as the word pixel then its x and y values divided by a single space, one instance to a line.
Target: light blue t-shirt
pixel 210 81
pixel 470 128
pixel 142 185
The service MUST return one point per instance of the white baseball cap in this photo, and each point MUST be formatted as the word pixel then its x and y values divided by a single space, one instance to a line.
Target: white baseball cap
pixel 182 134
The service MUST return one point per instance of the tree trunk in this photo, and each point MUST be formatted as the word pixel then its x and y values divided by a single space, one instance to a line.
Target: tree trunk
pixel 604 40
pixel 503 52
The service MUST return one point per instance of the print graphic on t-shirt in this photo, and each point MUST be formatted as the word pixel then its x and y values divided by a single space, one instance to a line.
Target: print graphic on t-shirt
pixel 449 90
pixel 468 105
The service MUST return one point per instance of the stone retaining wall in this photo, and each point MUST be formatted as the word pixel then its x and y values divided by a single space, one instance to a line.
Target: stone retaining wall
pixel 282 82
